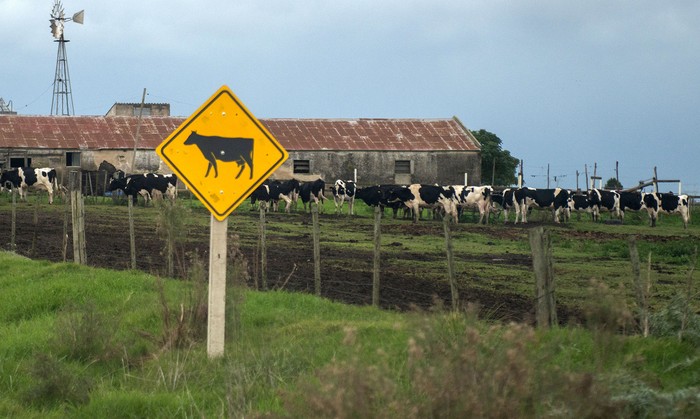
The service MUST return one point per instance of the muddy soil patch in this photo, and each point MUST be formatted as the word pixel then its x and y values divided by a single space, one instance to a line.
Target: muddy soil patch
pixel 346 274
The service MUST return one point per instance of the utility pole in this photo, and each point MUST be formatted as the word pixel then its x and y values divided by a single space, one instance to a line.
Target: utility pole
pixel 577 188
pixel 138 132
pixel 520 175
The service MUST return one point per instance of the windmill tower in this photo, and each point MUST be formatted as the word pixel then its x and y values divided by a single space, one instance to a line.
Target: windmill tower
pixel 62 101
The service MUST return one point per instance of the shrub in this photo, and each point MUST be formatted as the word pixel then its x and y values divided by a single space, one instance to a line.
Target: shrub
pixel 52 383
pixel 669 321
pixel 85 334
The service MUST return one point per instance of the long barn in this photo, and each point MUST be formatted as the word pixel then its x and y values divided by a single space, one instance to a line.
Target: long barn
pixel 380 150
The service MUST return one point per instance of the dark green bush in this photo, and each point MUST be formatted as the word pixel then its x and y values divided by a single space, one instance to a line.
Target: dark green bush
pixel 52 383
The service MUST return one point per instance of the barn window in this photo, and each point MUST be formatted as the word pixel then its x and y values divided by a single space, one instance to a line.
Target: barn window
pixel 73 158
pixel 402 167
pixel 302 166
pixel 20 162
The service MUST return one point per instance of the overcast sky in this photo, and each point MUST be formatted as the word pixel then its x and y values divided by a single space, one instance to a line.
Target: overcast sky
pixel 564 83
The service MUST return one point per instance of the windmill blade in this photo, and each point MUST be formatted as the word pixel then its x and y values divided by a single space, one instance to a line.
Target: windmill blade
pixel 57 11
pixel 79 17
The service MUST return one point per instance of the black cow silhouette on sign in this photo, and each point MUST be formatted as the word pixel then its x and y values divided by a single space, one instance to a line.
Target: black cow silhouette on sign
pixel 224 149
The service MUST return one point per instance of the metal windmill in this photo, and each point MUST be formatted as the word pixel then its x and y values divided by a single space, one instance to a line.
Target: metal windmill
pixel 62 101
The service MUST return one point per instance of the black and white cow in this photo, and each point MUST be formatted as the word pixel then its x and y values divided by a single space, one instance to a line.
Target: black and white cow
pixel 22 178
pixel 418 196
pixel 285 190
pixel 506 200
pixel 630 201
pixel 582 203
pixel 667 203
pixel 344 190
pixel 312 192
pixel 478 197
pixel 261 195
pixel 378 195
pixel 145 184
pixel 604 201
pixel 555 199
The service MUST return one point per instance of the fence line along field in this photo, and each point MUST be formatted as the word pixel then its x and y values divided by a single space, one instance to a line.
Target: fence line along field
pixel 493 263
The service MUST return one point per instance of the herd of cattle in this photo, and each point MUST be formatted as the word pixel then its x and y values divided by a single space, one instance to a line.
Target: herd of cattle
pixel 448 201
pixel 452 200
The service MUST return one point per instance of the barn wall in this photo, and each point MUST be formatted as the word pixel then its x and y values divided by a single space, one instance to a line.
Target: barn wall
pixel 146 160
pixel 442 167
pixel 378 167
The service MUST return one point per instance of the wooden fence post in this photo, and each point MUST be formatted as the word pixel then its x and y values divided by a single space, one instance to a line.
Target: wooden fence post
pixel 132 233
pixel 377 255
pixel 13 232
pixel 541 246
pixel 451 263
pixel 263 248
pixel 317 249
pixel 78 218
pixel 66 211
pixel 641 288
pixel 35 221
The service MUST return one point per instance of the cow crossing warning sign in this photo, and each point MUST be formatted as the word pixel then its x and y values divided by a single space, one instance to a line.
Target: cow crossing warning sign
pixel 222 153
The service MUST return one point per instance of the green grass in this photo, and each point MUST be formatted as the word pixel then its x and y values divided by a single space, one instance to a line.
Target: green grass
pixel 583 250
pixel 297 355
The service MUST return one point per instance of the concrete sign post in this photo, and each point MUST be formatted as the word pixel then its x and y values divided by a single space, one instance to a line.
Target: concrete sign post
pixel 222 153
pixel 216 319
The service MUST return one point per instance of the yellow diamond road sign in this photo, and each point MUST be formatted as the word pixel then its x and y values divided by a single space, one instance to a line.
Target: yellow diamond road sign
pixel 222 153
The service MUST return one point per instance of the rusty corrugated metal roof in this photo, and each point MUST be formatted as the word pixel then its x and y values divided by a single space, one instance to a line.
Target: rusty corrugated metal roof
pixel 118 132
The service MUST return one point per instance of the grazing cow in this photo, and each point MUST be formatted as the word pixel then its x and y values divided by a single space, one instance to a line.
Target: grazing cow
pixel 312 192
pixel 582 203
pixel 474 196
pixel 286 190
pixel 666 203
pixel 239 150
pixel 556 199
pixel 378 195
pixel 261 194
pixel 144 185
pixel 633 201
pixel 344 190
pixel 419 196
pixel 23 178
pixel 506 200
pixel 604 201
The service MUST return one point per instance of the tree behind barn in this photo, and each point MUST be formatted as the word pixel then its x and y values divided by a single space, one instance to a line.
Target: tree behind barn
pixel 491 150
pixel 613 183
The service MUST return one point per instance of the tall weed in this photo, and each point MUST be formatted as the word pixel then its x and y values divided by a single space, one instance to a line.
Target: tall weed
pixel 238 276
pixel 184 323
pixel 493 372
pixel 86 334
pixel 171 226
pixel 607 315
